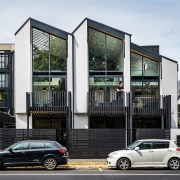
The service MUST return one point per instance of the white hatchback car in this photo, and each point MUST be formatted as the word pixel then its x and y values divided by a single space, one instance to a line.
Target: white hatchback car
pixel 146 153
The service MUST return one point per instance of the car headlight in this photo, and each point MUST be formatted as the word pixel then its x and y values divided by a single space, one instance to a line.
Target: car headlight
pixel 111 155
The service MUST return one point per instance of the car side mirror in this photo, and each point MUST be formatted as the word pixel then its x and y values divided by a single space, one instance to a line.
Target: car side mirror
pixel 136 148
pixel 10 150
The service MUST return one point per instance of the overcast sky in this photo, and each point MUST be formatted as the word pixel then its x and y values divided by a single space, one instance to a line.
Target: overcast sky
pixel 151 22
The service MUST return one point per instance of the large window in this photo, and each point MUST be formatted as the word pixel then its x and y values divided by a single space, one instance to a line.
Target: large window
pixel 6 91
pixel 49 52
pixel 49 62
pixel 103 89
pixel 105 65
pixel 4 61
pixel 143 66
pixel 105 52
pixel 146 87
pixel 144 75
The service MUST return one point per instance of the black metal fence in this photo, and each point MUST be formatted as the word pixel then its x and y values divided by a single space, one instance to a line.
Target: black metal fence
pixel 9 136
pixel 94 143
pixel 97 143
pixel 84 143
pixel 152 134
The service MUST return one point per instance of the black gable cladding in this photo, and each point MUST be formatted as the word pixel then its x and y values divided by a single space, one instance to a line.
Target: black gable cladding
pixel 145 52
pixel 106 28
pixel 50 29
pixel 46 28
pixel 153 48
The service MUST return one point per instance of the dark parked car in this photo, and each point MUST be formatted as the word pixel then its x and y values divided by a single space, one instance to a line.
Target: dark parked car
pixel 45 153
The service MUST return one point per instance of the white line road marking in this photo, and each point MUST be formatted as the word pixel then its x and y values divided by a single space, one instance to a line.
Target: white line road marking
pixel 89 174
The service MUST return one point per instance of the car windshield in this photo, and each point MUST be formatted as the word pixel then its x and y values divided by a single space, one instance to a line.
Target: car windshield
pixel 133 145
pixel 10 147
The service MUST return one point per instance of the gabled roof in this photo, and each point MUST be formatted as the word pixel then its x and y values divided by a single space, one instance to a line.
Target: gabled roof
pixel 102 27
pixel 45 27
pixel 145 52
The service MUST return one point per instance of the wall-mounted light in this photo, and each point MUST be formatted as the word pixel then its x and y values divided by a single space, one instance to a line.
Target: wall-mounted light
pixel 44 89
pixel 101 89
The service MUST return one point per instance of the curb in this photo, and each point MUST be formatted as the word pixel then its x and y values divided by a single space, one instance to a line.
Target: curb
pixel 100 168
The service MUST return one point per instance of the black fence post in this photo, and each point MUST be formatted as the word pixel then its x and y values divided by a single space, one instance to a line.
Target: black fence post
pixel 27 111
pixel 129 118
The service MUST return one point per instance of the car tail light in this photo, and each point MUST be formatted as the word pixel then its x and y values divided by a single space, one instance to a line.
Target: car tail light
pixel 178 149
pixel 62 150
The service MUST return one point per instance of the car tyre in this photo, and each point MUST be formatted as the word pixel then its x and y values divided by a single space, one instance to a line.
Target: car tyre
pixel 123 164
pixel 174 164
pixel 50 163
pixel 1 165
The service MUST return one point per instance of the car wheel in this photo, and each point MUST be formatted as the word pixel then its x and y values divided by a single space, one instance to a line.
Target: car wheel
pixel 50 163
pixel 174 163
pixel 1 165
pixel 123 163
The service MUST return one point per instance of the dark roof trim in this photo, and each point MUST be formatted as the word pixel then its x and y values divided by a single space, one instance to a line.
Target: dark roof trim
pixel 45 27
pixel 169 59
pixel 102 27
pixel 145 52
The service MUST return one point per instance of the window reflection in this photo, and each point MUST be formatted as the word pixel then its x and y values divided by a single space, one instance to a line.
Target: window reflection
pixel 103 89
pixel 58 54
pixel 114 54
pixel 144 88
pixel 105 52
pixel 150 68
pixel 47 91
pixel 49 62
pixel 54 85
pixel 136 65
pixel 49 52
pixel 142 66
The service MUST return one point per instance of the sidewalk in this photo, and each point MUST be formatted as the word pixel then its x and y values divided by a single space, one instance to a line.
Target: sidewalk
pixel 87 164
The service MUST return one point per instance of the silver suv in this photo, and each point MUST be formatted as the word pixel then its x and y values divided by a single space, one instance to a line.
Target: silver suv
pixel 146 153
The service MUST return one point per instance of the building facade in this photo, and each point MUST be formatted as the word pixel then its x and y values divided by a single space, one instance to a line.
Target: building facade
pixel 69 80
pixel 7 78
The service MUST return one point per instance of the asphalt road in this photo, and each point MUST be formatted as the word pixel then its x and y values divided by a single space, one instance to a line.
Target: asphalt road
pixel 89 174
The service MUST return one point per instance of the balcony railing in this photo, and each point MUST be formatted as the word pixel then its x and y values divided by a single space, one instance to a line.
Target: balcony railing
pixel 101 103
pixel 50 102
pixel 147 104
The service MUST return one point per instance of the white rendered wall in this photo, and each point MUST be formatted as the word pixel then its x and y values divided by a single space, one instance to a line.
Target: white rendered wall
pixel 70 72
pixel 169 86
pixel 81 121
pixel 127 69
pixel 69 66
pixel 174 133
pixel 23 74
pixel 81 76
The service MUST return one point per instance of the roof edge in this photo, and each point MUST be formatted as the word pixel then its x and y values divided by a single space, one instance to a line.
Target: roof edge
pixel 100 24
pixel 42 26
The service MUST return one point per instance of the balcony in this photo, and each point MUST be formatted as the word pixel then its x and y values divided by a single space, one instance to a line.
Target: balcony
pixel 52 103
pixel 107 104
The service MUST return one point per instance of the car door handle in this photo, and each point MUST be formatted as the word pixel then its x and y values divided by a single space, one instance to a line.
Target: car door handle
pixel 150 150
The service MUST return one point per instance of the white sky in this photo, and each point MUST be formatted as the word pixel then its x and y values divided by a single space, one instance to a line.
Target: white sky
pixel 151 22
